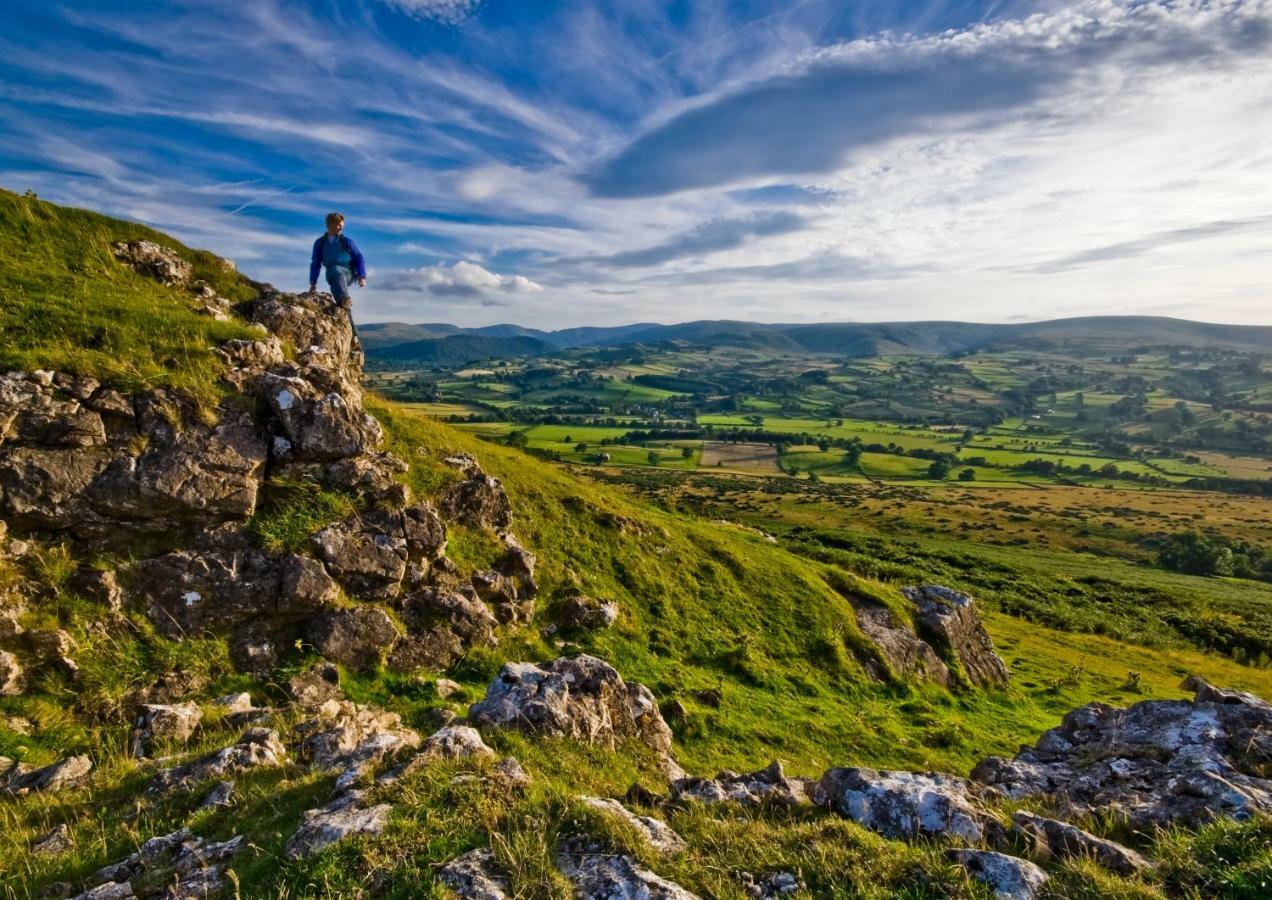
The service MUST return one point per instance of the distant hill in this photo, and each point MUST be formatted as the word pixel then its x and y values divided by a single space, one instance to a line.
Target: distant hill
pixel 1097 335
pixel 455 350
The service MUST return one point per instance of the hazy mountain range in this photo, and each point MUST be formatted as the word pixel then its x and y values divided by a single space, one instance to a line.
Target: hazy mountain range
pixel 443 344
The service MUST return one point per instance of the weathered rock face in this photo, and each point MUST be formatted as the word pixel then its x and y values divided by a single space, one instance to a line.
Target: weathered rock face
pixel 951 621
pixel 907 804
pixel 343 817
pixel 223 589
pixel 599 874
pixel 316 686
pixel 107 468
pixel 1159 761
pixel 907 656
pixel 768 786
pixel 1065 841
pixel 192 867
pixel 455 742
pixel 371 554
pixel 67 773
pixel 1010 877
pixel 582 698
pixel 353 739
pixel 357 638
pixel 154 261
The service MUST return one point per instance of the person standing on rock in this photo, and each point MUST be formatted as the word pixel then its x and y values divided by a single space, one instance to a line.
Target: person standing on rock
pixel 340 256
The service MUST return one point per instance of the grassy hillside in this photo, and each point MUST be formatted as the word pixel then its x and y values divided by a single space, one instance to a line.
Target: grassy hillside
pixel 751 649
pixel 67 304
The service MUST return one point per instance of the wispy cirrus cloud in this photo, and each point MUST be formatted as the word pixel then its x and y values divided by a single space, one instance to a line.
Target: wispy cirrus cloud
pixel 451 12
pixel 710 237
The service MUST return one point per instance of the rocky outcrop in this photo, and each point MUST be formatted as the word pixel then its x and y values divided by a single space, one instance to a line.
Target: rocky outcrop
pixel 477 498
pixel 581 697
pixel 905 654
pixel 907 804
pixel 1010 877
pixel 455 742
pixel 256 748
pixel 189 865
pixel 154 261
pixel 316 686
pixel 346 816
pixel 1064 841
pixel 597 873
pixel 768 786
pixel 373 553
pixel 1157 762
pixel 951 622
pixel 357 638
pixel 475 876
pixel 353 739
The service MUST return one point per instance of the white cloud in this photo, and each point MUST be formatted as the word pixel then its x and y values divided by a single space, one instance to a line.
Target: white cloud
pixel 461 279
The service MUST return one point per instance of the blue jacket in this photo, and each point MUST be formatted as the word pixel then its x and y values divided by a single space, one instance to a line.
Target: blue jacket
pixel 315 261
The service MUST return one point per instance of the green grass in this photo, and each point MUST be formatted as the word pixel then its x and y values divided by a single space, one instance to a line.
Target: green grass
pixel 67 304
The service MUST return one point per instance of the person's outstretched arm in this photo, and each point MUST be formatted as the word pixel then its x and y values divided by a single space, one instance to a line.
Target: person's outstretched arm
pixel 315 263
pixel 359 263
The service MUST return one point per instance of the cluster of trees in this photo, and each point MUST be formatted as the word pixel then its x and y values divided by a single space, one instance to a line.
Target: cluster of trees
pixel 1209 554
pixel 1108 470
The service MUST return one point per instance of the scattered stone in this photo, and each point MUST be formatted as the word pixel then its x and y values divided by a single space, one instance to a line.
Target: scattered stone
pixel 455 742
pixel 433 649
pixel 12 677
pixel 906 804
pixel 767 786
pixel 1065 841
pixel 449 690
pixel 951 621
pixel 1157 762
pixel 56 841
pixel 580 611
pixel 600 874
pixel 253 655
pixel 67 773
pixel 256 748
pixel 317 686
pixel 100 585
pixel 658 834
pixel 1010 877
pixel 232 704
pixel 773 886
pixel 54 647
pixel 109 891
pixel 474 876
pixel 510 774
pixel 358 638
pixel 341 818
pixel 221 795
pixel 582 698
pixel 190 864
pixel 175 723
pixel 154 261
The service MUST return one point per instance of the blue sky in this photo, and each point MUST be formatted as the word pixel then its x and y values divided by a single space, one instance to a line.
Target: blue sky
pixel 597 163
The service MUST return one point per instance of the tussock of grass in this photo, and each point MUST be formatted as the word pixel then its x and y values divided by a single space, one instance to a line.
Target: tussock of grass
pixel 67 304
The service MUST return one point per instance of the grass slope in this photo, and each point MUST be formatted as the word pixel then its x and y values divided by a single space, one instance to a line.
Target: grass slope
pixel 67 304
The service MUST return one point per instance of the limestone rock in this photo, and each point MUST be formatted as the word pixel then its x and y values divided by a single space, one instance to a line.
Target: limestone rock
pixel 316 423
pixel 1065 841
pixel 448 690
pixel 582 698
pixel 907 656
pixel 66 773
pixel 195 591
pixel 463 614
pixel 455 742
pixel 773 886
pixel 1156 762
pixel 475 876
pixel 111 890
pixel 583 612
pixel 370 475
pixel 316 686
pixel 434 649
pixel 99 585
pixel 354 739
pixel 12 677
pixel 256 748
pixel 56 841
pixel 343 817
pixel 477 499
pixel 951 621
pixel 175 723
pixel 767 786
pixel 599 874
pixel 1010 877
pixel 154 261
pixel 190 865
pixel 906 804
pixel 657 833
pixel 358 638
pixel 221 795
